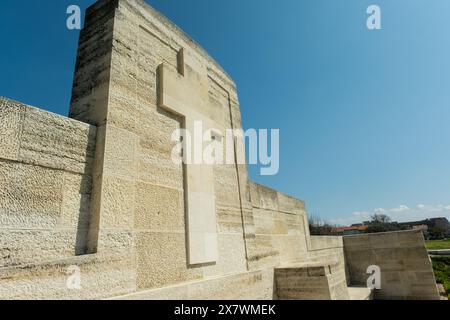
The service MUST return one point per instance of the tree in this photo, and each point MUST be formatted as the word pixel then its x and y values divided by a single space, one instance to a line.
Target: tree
pixel 381 218
pixel 436 233
pixel 382 223
pixel 319 227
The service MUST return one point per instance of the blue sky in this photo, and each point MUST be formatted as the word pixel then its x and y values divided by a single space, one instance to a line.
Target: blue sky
pixel 363 115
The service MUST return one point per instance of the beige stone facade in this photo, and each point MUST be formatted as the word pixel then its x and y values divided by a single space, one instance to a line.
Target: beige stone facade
pixel 99 190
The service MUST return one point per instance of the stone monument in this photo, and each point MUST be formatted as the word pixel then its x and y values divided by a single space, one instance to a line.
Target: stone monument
pixel 97 200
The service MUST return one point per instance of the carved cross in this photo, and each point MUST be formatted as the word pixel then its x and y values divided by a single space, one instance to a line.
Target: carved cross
pixel 185 93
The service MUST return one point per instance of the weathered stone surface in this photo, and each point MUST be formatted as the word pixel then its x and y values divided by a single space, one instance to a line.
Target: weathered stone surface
pixel 309 282
pixel 162 260
pixel 121 153
pixel 116 209
pixel 76 201
pixel 30 196
pixel 23 247
pixel 159 209
pixel 406 271
pixel 255 285
pixel 263 197
pixel 53 141
pixel 101 276
pixel 229 220
pixel 11 121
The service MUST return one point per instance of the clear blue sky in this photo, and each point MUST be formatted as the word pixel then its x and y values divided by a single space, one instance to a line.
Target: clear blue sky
pixel 364 115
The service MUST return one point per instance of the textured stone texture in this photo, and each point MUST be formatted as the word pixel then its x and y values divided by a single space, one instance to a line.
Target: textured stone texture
pixel 330 251
pixel 136 186
pixel 100 277
pixel 37 137
pixel 406 271
pixel 303 283
pixel 53 141
pixel 11 121
pixel 280 235
pixel 45 185
pixel 255 285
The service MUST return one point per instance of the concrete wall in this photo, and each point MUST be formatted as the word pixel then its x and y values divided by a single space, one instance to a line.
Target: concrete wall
pixel 406 270
pixel 45 184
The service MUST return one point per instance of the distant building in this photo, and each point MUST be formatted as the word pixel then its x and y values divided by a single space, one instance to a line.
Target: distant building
pixel 353 229
pixel 430 227
pixel 422 227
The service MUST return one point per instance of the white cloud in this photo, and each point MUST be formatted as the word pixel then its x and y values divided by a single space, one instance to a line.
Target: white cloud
pixel 433 208
pixel 401 213
pixel 401 208
pixel 361 214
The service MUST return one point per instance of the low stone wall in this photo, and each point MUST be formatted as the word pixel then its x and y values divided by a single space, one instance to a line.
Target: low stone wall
pixel 406 270
pixel 45 184
pixel 330 251
pixel 281 228
pixel 101 276
pixel 253 285
pixel 303 283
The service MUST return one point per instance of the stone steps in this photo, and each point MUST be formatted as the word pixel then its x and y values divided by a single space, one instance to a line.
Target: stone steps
pixel 360 293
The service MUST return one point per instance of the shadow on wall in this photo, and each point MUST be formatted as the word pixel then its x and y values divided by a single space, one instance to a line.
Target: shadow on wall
pixel 87 219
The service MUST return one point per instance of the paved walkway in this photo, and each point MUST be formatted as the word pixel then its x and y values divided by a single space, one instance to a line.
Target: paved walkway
pixel 442 252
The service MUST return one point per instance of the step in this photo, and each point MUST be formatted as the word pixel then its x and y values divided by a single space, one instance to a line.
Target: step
pixel 360 293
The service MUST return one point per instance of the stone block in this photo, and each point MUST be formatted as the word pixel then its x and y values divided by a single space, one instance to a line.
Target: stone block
pixel 226 186
pixel 158 169
pixel 159 208
pixel 24 247
pixel 231 256
pixel 100 277
pixel 54 141
pixel 162 260
pixel 269 222
pixel 257 285
pixel 30 196
pixel 263 197
pixel 290 204
pixel 229 220
pixel 11 122
pixel 119 243
pixel 118 201
pixel 121 153
pixel 383 240
pixel 75 207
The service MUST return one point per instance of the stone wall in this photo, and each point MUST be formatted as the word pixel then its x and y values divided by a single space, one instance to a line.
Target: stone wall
pixel 117 90
pixel 309 282
pixel 105 195
pixel 252 285
pixel 330 251
pixel 281 229
pixel 45 184
pixel 406 271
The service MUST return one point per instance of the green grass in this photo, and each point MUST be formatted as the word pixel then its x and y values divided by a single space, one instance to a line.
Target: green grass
pixel 438 244
pixel 441 267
